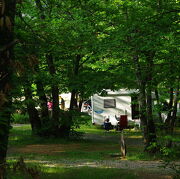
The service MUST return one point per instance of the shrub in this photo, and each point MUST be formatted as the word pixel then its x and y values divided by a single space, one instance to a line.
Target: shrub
pixel 20 118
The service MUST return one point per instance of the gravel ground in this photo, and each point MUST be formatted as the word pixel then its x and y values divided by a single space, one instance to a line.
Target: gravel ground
pixel 143 169
pixel 125 164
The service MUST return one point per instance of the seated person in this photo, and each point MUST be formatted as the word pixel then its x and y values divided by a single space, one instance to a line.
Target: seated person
pixel 107 124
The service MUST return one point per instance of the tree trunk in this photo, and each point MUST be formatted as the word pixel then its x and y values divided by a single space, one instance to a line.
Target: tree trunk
pixel 32 111
pixel 170 108
pixel 142 98
pixel 171 124
pixel 52 71
pixel 73 103
pixel 5 115
pixel 145 101
pixel 55 95
pixel 43 100
pixel 123 145
pixel 174 112
pixel 158 103
pixel 167 127
pixel 150 121
pixel 143 115
pixel 7 14
pixel 80 104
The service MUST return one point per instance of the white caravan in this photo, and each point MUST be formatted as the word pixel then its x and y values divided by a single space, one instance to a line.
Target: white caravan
pixel 113 105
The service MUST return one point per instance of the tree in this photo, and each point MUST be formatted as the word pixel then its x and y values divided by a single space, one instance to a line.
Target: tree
pixel 130 46
pixel 137 33
pixel 7 14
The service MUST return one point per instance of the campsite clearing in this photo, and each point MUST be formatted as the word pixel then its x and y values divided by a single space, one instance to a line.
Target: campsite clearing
pixel 96 152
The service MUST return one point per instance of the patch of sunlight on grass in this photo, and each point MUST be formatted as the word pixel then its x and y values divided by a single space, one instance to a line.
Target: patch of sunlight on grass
pixel 177 129
pixel 73 155
pixel 99 131
pixel 139 156
pixel 135 137
pixel 21 127
pixel 24 130
pixel 90 130
pixel 14 138
pixel 88 173
pixel 54 169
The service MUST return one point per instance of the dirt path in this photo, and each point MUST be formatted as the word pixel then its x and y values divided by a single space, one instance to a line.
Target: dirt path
pixel 124 164
pixel 142 169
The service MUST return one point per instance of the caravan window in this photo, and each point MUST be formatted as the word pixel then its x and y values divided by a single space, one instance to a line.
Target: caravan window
pixel 109 103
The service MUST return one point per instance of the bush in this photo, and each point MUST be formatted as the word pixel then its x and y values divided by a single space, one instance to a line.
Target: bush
pixel 20 118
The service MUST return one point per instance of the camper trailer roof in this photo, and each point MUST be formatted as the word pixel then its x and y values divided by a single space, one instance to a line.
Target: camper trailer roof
pixel 121 92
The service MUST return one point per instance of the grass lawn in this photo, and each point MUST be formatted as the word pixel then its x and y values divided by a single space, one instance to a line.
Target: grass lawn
pixel 96 145
pixel 77 173
pixel 62 158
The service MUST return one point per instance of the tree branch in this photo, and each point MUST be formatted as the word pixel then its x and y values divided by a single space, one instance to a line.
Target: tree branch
pixel 9 45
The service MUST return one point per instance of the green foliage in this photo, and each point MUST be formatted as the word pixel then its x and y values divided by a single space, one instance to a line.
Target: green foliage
pixel 152 148
pixel 170 153
pixel 105 35
pixel 18 118
pixel 79 119
pixel 70 120
pixel 166 151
